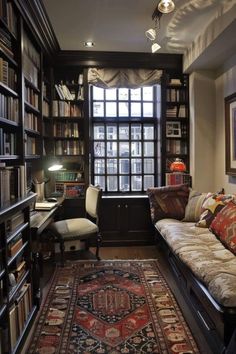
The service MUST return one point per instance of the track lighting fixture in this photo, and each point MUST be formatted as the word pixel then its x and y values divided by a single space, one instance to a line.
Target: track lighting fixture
pixel 166 6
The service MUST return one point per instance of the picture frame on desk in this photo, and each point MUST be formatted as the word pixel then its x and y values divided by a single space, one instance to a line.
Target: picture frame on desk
pixel 173 129
pixel 230 134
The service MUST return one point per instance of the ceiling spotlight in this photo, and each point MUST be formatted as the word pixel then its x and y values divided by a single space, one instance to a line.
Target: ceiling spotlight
pixel 89 44
pixel 151 34
pixel 166 6
pixel 155 47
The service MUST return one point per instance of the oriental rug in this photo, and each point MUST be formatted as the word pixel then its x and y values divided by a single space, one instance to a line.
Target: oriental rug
pixel 111 307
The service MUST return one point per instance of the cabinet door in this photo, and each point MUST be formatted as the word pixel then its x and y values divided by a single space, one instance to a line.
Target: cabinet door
pixel 126 221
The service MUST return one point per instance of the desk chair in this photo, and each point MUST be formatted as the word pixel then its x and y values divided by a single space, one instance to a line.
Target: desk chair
pixel 83 229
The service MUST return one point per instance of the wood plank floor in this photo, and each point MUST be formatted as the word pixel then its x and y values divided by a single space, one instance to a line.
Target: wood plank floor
pixel 142 252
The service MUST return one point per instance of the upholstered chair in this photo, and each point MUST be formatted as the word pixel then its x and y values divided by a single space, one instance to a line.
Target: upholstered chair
pixel 83 229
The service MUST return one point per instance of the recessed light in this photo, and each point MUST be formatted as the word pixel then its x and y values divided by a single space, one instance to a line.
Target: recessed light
pixel 89 44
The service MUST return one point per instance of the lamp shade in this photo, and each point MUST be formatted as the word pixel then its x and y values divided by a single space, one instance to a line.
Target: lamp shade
pixel 178 166
pixel 54 165
pixel 166 6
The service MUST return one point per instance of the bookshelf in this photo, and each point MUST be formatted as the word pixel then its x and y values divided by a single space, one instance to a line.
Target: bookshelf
pixel 68 129
pixel 175 128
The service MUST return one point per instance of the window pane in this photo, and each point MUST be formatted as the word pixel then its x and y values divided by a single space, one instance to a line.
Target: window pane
pixel 99 148
pixel 135 94
pixel 124 149
pixel 98 93
pixel 112 184
pixel 99 166
pixel 136 148
pixel 111 148
pixel 148 165
pixel 147 93
pixel 111 109
pixel 148 149
pixel 136 165
pixel 124 183
pixel 135 109
pixel 148 182
pixel 124 166
pixel 99 132
pixel 98 109
pixel 136 183
pixel 111 132
pixel 123 109
pixel 110 94
pixel 112 166
pixel 123 94
pixel 123 132
pixel 147 109
pixel 136 132
pixel 100 180
pixel 148 132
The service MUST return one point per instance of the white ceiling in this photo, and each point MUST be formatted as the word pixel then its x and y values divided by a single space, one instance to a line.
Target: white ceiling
pixel 120 25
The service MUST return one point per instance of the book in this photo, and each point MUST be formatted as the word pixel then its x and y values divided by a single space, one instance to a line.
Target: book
pixel 45 205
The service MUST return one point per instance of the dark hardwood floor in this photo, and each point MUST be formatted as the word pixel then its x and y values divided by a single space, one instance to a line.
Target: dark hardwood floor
pixel 142 252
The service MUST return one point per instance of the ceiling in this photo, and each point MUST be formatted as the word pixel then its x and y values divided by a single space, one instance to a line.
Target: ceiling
pixel 120 25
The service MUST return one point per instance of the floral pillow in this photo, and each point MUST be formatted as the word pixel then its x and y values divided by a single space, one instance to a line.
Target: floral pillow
pixel 211 206
pixel 168 202
pixel 224 226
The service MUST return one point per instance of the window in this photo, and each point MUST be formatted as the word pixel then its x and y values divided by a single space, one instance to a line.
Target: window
pixel 124 138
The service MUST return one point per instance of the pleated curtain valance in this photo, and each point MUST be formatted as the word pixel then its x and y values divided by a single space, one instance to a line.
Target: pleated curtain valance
pixel 125 78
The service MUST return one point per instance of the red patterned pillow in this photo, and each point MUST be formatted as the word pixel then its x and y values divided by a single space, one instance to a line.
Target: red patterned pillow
pixel 224 226
pixel 168 202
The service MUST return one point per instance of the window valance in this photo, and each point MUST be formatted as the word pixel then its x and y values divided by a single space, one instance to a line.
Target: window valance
pixel 125 78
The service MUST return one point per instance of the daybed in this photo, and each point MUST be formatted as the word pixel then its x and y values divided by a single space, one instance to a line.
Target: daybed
pixel 198 232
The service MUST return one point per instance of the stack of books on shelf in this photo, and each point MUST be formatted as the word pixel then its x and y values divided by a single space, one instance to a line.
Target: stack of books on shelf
pixel 66 129
pixel 30 145
pixel 68 176
pixel 19 312
pixel 6 43
pixel 177 178
pixel 175 146
pixel 7 143
pixel 7 74
pixel 31 121
pixel 65 109
pixel 31 97
pixel 14 222
pixel 9 108
pixel 171 112
pixel 69 147
pixel 70 189
pixel 8 15
pixel 12 184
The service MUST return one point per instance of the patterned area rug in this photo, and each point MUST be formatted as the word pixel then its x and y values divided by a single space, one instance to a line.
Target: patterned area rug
pixel 111 307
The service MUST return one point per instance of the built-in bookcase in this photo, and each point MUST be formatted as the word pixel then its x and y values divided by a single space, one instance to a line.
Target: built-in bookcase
pixel 175 117
pixel 68 131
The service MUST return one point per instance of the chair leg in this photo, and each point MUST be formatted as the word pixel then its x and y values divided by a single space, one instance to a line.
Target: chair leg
pixel 99 241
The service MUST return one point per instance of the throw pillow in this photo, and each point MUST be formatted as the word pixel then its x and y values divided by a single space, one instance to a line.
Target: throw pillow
pixel 194 206
pixel 224 226
pixel 168 202
pixel 211 206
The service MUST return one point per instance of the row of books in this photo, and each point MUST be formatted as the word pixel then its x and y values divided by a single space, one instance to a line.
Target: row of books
pixel 7 75
pixel 12 186
pixel 15 245
pixel 30 145
pixel 174 146
pixel 66 109
pixel 45 108
pixel 19 313
pixel 64 93
pixel 176 112
pixel 31 97
pixel 6 42
pixel 177 178
pixel 176 95
pixel 73 81
pixel 15 221
pixel 31 72
pixel 7 143
pixel 69 147
pixel 66 129
pixel 9 108
pixel 30 51
pixel 31 121
pixel 8 15
pixel 70 190
pixel 68 176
